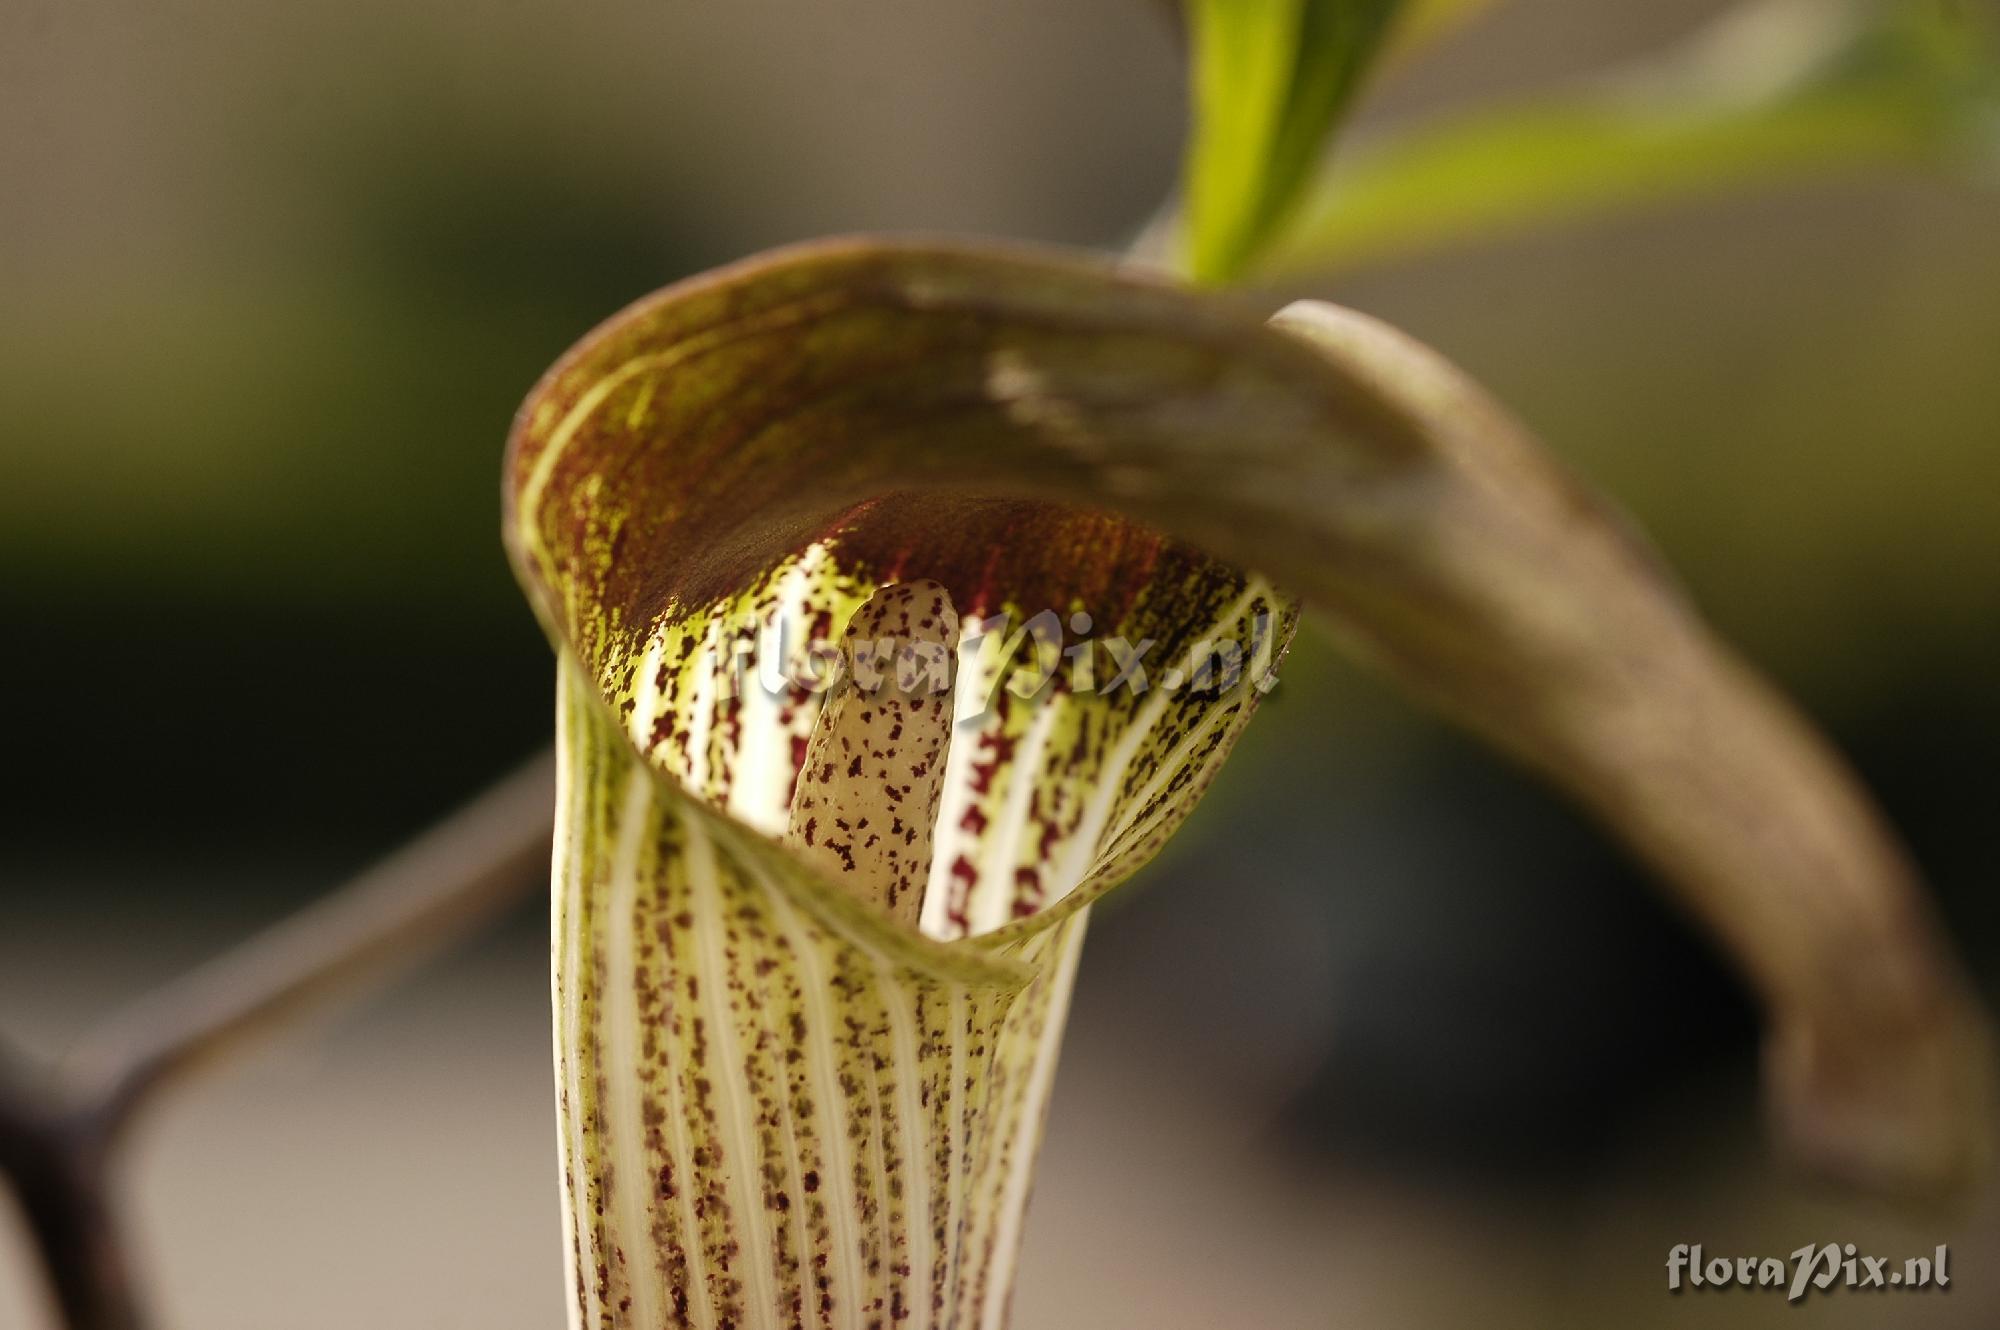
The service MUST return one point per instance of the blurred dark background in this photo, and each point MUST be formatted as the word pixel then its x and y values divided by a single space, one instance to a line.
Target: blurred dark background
pixel 1389 1038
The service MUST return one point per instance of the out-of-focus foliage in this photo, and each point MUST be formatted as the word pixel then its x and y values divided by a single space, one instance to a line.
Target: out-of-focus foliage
pixel 1268 81
pixel 1421 21
pixel 1775 89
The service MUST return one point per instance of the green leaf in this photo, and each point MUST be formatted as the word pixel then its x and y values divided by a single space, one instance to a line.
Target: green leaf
pixel 783 1101
pixel 1268 79
pixel 1781 89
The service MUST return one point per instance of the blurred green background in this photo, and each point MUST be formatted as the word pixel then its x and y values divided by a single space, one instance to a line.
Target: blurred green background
pixel 275 278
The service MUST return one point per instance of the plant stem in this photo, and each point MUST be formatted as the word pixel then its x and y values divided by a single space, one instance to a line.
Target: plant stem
pixel 57 1140
pixel 54 1158
pixel 448 881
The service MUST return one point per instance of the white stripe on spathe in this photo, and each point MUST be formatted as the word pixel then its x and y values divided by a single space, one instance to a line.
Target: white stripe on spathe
pixel 708 906
pixel 992 899
pixel 564 869
pixel 822 1061
pixel 619 1010
pixel 1013 1205
pixel 911 1120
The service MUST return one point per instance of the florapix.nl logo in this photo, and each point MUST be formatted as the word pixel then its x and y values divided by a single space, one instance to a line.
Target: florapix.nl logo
pixel 1028 657
pixel 1813 1268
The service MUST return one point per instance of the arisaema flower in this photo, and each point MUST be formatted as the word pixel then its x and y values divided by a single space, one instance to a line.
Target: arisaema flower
pixel 908 597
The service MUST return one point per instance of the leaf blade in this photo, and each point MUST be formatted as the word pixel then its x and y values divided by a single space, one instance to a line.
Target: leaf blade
pixel 1267 83
pixel 1779 90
